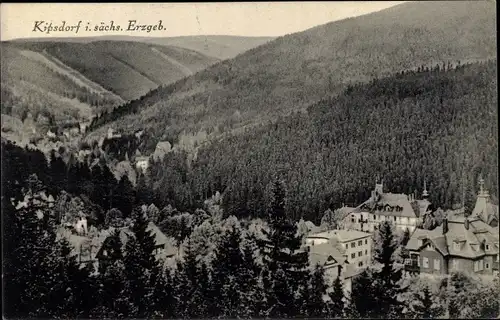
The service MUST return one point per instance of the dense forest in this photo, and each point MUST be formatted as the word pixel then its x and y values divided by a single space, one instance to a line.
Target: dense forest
pixel 249 275
pixel 293 71
pixel 437 125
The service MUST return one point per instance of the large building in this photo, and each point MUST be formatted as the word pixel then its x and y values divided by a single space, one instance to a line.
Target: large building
pixel 484 209
pixel 355 245
pixel 404 211
pixel 459 244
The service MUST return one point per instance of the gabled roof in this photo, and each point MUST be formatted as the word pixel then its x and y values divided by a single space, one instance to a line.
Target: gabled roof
pixel 125 234
pixel 470 239
pixel 484 209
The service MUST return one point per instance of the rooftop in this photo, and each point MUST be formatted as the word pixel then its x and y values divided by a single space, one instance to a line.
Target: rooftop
pixel 472 238
pixel 341 235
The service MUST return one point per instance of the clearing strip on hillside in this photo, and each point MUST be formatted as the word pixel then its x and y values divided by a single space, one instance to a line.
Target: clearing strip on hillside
pixel 183 68
pixel 58 66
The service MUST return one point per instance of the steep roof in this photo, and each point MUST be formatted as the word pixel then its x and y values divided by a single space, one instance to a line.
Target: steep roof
pixel 471 240
pixel 484 209
pixel 125 234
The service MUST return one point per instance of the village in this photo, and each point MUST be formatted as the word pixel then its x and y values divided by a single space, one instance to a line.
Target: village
pixel 466 242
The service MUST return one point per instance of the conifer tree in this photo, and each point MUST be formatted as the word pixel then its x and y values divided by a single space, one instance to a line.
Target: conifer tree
pixel 227 265
pixel 286 271
pixel 363 300
pixel 314 304
pixel 163 295
pixel 252 293
pixel 140 265
pixel 387 280
pixel 336 305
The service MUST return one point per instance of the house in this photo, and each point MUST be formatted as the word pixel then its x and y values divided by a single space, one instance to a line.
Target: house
pixel 51 134
pixel 164 247
pixel 81 246
pixel 356 245
pixel 459 244
pixel 404 211
pixel 112 135
pixel 142 163
pixel 484 209
pixel 332 257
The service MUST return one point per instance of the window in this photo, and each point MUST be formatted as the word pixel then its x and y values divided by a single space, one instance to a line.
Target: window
pixel 347 246
pixel 360 253
pixel 366 241
pixel 360 243
pixel 353 244
pixel 487 247
pixel 425 261
pixel 478 265
pixel 353 255
pixel 360 264
pixel 373 216
pixel 436 264
pixel 366 252
pixel 487 265
pixel 394 219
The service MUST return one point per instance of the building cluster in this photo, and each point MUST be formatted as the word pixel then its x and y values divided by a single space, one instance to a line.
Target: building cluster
pixel 96 249
pixel 463 242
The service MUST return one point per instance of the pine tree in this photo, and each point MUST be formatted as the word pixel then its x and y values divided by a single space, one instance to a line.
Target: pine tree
pixel 314 304
pixel 336 306
pixel 125 196
pixel 252 293
pixel 163 295
pixel 140 266
pixel 227 265
pixel 286 274
pixel 387 280
pixel 363 299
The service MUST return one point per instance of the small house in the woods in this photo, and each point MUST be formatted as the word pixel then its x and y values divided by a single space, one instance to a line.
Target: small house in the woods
pixel 484 209
pixel 356 245
pixel 142 163
pixel 82 247
pixel 164 247
pixel 404 211
pixel 459 244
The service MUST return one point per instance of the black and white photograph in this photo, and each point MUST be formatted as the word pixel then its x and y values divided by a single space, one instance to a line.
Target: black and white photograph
pixel 250 160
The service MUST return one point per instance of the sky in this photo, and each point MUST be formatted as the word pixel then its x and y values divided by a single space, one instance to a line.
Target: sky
pixel 17 20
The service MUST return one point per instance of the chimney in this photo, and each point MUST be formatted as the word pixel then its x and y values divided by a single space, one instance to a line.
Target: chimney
pixel 466 224
pixel 445 225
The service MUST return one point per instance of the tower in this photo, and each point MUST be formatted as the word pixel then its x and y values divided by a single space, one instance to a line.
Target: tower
pixel 425 193
pixel 379 187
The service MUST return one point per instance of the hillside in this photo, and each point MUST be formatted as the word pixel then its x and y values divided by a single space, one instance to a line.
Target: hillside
pixel 438 125
pixel 128 69
pixel 59 82
pixel 217 46
pixel 293 71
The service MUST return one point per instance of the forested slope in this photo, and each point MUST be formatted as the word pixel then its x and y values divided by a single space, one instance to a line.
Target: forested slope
pixel 294 71
pixel 438 125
